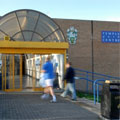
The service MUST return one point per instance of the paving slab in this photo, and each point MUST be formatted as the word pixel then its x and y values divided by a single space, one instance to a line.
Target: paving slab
pixel 31 107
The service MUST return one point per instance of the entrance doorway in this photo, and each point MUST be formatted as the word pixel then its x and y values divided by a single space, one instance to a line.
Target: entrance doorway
pixel 12 72
pixel 21 72
pixel 33 69
pixel 22 63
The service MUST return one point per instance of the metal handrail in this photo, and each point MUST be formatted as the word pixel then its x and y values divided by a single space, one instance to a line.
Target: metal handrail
pixel 97 73
pixel 94 89
pixel 87 75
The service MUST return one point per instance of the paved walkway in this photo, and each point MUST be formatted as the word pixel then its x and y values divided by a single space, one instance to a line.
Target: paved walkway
pixel 27 106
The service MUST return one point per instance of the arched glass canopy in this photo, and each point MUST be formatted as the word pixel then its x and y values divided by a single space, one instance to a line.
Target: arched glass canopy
pixel 30 25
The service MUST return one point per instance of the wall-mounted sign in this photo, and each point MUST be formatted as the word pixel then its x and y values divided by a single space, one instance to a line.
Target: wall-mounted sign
pixel 110 36
pixel 72 35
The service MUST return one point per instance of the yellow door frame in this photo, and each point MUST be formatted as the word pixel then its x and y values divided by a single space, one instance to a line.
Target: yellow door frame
pixel 15 47
pixel 12 74
pixel 5 73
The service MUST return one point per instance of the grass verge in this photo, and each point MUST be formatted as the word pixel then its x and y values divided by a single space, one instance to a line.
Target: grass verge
pixel 86 95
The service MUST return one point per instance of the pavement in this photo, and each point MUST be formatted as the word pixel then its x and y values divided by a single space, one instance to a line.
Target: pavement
pixel 87 104
pixel 29 106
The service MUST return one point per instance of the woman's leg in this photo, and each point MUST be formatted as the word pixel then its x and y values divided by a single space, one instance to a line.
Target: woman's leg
pixel 52 94
pixel 46 90
pixel 51 91
pixel 46 93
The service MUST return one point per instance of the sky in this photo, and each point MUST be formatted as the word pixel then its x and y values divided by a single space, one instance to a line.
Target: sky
pixel 103 10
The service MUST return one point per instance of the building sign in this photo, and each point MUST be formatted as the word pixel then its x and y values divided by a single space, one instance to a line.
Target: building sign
pixel 110 36
pixel 7 38
pixel 72 35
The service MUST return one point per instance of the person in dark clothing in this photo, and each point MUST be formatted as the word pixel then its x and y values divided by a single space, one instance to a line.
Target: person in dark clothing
pixel 69 77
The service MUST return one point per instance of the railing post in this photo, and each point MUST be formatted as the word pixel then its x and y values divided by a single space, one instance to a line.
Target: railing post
pixel 87 82
pixel 97 92
pixel 94 89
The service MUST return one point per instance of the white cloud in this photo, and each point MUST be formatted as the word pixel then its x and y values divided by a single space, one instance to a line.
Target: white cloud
pixel 116 19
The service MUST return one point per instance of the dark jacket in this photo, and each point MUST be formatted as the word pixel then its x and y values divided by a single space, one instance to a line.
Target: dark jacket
pixel 69 76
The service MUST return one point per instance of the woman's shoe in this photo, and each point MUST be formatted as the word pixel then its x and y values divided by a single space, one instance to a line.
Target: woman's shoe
pixel 53 101
pixel 45 96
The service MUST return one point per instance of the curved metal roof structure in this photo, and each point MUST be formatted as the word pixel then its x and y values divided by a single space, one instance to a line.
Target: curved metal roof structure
pixel 30 25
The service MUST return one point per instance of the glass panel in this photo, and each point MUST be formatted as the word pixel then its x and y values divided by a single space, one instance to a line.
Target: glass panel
pixel 36 37
pixel 34 66
pixel 56 36
pixel 49 22
pixel 6 18
pixel 58 65
pixel 37 69
pixel 29 56
pixel 21 13
pixel 18 37
pixel 27 19
pixel 28 81
pixel 59 36
pixel 27 35
pixel 45 25
pixel 9 71
pixel 61 65
pixel 3 72
pixel 52 37
pixel 17 71
pixel 42 28
pixel 8 22
pixel 2 36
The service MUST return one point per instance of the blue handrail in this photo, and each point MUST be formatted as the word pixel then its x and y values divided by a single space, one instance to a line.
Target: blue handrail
pixel 87 75
pixel 97 73
pixel 94 89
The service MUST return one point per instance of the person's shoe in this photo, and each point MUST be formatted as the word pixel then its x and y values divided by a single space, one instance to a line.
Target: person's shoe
pixel 53 101
pixel 62 95
pixel 74 99
pixel 45 96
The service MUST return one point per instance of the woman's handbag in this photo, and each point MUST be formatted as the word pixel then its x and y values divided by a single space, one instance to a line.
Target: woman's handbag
pixel 42 80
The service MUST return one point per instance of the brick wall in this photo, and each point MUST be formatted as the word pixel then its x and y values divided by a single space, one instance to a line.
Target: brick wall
pixel 80 53
pixel 105 55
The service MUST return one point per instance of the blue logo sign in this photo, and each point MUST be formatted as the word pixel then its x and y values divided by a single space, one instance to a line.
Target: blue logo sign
pixel 110 37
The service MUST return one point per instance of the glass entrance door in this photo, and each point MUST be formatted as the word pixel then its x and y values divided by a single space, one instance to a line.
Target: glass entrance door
pixel 34 66
pixel 11 72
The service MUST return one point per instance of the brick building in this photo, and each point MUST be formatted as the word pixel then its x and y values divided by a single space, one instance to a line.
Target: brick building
pixel 89 52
